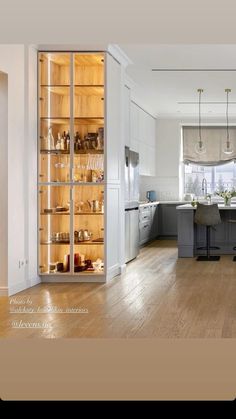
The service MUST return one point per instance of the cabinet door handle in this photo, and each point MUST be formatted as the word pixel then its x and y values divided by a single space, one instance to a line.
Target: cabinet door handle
pixel 146 216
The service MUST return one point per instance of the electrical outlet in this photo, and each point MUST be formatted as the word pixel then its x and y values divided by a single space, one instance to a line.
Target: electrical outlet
pixel 21 263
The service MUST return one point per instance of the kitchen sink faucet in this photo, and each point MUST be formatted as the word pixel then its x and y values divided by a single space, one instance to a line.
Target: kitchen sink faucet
pixel 204 186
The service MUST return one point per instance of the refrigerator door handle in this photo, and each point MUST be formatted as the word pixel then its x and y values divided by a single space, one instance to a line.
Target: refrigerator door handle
pixel 132 209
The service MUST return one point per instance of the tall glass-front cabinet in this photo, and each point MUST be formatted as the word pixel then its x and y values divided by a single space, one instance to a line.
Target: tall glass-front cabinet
pixel 71 169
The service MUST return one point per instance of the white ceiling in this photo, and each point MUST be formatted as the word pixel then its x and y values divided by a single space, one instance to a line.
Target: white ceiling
pixel 162 91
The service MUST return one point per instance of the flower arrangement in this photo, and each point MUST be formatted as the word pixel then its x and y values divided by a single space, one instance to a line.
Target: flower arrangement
pixel 227 195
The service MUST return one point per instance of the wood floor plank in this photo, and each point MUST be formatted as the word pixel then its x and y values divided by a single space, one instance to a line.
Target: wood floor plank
pixel 159 296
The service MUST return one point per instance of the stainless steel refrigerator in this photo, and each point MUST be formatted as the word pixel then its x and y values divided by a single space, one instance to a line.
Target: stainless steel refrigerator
pixel 131 204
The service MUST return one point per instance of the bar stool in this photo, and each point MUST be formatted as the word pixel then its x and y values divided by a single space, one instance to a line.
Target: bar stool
pixel 208 215
pixel 234 248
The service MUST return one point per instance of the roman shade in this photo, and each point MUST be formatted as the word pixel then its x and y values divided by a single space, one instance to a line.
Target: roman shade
pixel 214 139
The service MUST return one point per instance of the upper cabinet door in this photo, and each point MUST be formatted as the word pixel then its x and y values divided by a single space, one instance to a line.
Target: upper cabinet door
pixel 134 122
pixel 142 126
pixel 151 131
pixel 113 120
pixel 127 115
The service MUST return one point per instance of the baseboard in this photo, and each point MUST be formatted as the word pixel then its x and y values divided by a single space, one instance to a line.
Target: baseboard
pixel 24 285
pixel 69 279
pixel 18 288
pixel 3 291
pixel 34 281
pixel 113 271
pixel 123 268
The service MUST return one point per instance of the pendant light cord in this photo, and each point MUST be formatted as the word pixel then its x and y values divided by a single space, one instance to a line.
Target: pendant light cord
pixel 227 114
pixel 199 118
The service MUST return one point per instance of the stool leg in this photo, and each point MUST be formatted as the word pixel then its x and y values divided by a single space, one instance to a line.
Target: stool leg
pixel 208 236
pixel 208 257
pixel 234 258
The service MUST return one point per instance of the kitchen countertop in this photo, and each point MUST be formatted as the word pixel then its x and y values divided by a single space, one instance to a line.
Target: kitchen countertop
pixel 221 207
pixel 175 202
pixel 145 203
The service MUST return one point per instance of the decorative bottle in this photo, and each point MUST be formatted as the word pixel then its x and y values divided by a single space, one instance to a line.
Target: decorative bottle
pixel 50 139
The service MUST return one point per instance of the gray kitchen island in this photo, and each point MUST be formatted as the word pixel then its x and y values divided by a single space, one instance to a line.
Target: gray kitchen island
pixel 192 236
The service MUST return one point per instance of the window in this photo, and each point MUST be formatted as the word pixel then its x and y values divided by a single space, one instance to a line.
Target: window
pixel 218 178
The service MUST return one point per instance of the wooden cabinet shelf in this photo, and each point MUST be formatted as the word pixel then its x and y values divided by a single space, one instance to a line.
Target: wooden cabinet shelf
pixel 85 243
pixel 88 213
pixel 82 273
pixel 54 213
pixel 79 90
pixel 56 152
pixel 54 243
pixel 76 213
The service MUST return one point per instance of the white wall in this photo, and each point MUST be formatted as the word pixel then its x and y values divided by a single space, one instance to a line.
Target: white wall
pixel 166 183
pixel 31 147
pixel 14 62
pixel 3 184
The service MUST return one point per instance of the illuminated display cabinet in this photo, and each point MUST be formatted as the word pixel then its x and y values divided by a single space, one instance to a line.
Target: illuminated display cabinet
pixel 72 177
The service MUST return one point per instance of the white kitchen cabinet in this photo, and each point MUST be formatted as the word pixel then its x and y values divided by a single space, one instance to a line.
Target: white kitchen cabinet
pixel 144 159
pixel 147 157
pixel 142 126
pixel 146 128
pixel 151 160
pixel 127 112
pixel 151 127
pixel 134 127
pixel 142 136
pixel 69 102
pixel 148 223
pixel 134 145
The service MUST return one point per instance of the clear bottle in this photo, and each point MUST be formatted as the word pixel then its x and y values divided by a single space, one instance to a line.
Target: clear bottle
pixel 62 143
pixel 68 141
pixel 64 140
pixel 50 140
pixel 58 144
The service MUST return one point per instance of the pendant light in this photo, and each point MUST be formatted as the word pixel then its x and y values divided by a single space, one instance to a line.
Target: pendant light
pixel 199 147
pixel 227 149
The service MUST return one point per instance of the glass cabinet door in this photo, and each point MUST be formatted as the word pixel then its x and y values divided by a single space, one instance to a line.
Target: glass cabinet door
pixel 71 163
pixel 54 229
pixel 88 228
pixel 88 117
pixel 54 121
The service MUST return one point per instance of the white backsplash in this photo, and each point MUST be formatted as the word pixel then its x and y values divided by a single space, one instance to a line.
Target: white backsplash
pixel 167 189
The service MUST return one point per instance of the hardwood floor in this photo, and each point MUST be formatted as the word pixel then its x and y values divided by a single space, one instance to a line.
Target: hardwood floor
pixel 159 296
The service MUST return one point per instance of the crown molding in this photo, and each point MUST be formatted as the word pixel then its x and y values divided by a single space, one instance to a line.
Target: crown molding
pixel 119 55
